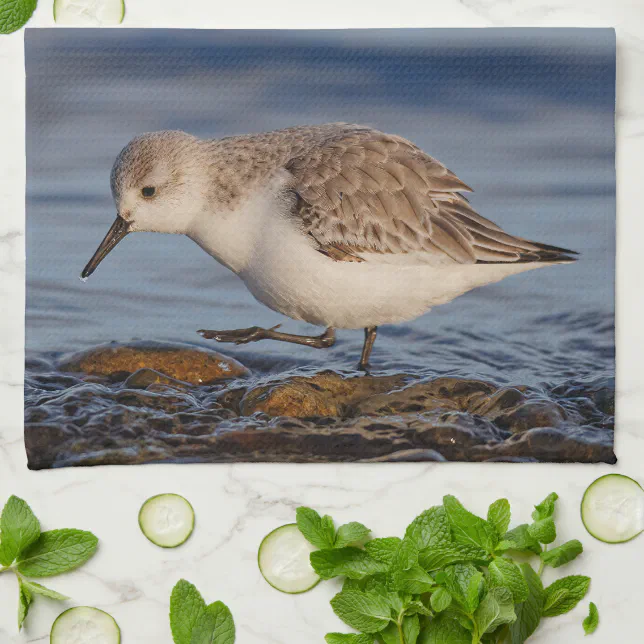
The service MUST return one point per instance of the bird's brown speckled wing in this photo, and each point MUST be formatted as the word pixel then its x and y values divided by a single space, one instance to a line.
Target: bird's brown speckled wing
pixel 363 191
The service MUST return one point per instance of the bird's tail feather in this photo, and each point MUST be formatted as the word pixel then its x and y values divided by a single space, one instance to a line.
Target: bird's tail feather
pixel 542 253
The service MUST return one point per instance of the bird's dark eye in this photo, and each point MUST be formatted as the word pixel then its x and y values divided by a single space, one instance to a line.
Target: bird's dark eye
pixel 148 192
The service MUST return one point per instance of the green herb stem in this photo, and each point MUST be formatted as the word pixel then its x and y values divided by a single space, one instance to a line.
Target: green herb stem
pixel 401 635
pixel 476 637
pixel 542 565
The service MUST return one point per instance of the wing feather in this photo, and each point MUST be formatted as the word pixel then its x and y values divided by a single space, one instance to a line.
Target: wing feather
pixel 362 191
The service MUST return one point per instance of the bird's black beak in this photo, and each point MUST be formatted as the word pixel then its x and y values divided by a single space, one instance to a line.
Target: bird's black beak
pixel 118 230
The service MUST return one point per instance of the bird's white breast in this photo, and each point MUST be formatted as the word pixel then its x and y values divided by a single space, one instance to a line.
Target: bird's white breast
pixel 282 269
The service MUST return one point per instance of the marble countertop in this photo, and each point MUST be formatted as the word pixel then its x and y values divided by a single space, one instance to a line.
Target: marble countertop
pixel 236 505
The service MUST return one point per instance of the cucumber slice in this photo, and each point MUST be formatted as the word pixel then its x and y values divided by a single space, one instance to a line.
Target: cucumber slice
pixel 85 625
pixel 283 560
pixel 613 508
pixel 167 520
pixel 96 13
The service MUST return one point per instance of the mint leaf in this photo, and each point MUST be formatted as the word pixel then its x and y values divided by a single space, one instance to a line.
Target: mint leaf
pixel 440 600
pixel 351 534
pixel 390 634
pixel 444 629
pixel 368 612
pixel 544 531
pixel 348 638
pixel 505 573
pixel 317 530
pixel 410 628
pixel 554 600
pixel 415 581
pixel 495 609
pixel 434 558
pixel 406 556
pixel 430 529
pixel 346 562
pixel 562 554
pixel 591 622
pixel 186 607
pixel 383 550
pixel 19 528
pixel 564 594
pixel 38 589
pixel 55 552
pixel 467 528
pixel 519 539
pixel 465 584
pixel 546 508
pixel 215 626
pixel 416 607
pixel 498 515
pixel 529 612
pixel 24 601
pixel 15 14
pixel 354 584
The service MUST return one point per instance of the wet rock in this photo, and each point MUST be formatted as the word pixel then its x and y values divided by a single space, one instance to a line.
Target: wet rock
pixel 599 391
pixel 143 378
pixel 557 445
pixel 531 414
pixel 442 393
pixel 500 402
pixel 407 456
pixel 326 417
pixel 194 365
pixel 324 394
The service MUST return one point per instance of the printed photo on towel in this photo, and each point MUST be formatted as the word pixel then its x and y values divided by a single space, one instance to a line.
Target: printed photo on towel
pixel 320 246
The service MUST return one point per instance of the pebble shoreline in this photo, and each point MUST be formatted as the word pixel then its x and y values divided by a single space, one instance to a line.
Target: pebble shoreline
pixel 157 402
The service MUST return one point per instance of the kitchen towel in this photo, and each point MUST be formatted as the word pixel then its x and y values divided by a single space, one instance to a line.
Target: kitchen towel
pixel 517 370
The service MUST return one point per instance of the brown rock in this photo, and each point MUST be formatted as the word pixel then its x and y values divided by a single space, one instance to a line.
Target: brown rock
pixel 143 378
pixel 324 394
pixel 443 393
pixel 194 365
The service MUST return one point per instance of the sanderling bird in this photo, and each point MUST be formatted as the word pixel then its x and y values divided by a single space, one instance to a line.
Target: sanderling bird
pixel 339 225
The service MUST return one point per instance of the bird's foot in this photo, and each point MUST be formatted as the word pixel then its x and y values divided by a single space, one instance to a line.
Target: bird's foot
pixel 239 336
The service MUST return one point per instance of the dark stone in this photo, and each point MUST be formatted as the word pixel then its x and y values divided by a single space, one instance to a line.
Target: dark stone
pixel 531 414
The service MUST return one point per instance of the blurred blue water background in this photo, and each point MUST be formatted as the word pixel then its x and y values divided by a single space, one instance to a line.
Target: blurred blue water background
pixel 526 117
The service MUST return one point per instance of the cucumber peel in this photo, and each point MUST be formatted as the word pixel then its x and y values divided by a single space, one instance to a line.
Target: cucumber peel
pixel 284 560
pixel 612 508
pixel 85 624
pixel 167 520
pixel 96 13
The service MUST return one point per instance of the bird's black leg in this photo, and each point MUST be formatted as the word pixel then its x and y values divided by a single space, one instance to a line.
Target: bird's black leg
pixel 255 333
pixel 369 338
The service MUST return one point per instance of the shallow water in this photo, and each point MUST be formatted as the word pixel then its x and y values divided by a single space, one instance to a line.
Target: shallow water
pixel 528 125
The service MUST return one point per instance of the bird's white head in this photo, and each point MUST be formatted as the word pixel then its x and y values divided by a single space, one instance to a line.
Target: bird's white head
pixel 156 186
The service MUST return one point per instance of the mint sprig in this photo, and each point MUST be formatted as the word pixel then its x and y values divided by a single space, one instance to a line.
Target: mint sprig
pixel 28 552
pixel 320 531
pixel 450 580
pixel 194 622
